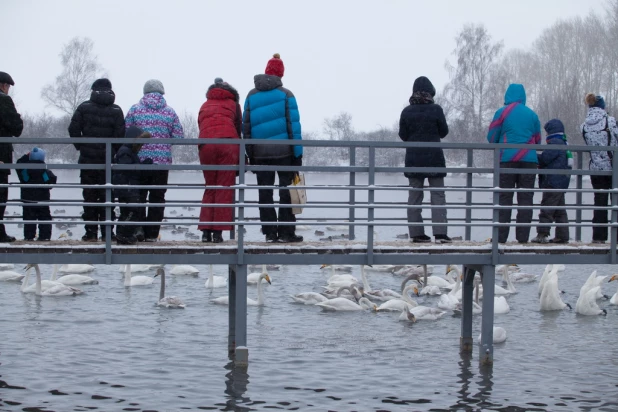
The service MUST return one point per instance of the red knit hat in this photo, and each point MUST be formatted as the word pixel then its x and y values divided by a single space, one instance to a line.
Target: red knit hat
pixel 275 66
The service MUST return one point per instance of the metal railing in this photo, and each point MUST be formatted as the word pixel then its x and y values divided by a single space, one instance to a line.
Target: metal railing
pixel 357 213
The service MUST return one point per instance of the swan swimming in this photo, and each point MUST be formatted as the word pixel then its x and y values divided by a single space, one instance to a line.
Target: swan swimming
pixel 170 302
pixel 10 276
pixel 336 281
pixel 73 280
pixel 343 305
pixel 138 268
pixel 397 305
pixel 587 303
pixel 225 300
pixel 254 278
pixel 548 269
pixel 379 294
pixel 500 305
pixel 421 313
pixel 45 284
pixel 215 282
pixel 184 270
pixel 309 298
pixel 76 268
pixel 53 290
pixel 592 282
pixel 499 335
pixel 550 296
pixel 135 280
pixel 614 299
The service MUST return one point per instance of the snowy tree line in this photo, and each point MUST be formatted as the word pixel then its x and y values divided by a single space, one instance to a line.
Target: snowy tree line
pixel 569 59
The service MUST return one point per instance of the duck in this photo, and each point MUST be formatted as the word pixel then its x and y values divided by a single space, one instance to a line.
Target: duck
pixel 614 298
pixel 169 302
pixel 215 282
pixel 135 280
pixel 499 335
pixel 587 302
pixel 225 300
pixel 184 270
pixel 550 296
pixel 397 305
pixel 76 268
pixel 73 280
pixel 57 289
pixel 345 305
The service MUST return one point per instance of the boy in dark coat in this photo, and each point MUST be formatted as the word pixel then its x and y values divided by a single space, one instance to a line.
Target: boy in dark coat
pixel 553 159
pixel 36 194
pixel 127 155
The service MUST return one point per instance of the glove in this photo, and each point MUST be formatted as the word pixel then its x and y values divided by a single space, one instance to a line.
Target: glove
pixel 147 161
pixel 297 161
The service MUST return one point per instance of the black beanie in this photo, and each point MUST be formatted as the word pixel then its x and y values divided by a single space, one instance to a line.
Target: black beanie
pixel 101 84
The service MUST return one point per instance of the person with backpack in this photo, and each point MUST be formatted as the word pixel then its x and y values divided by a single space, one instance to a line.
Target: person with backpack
pixel 599 129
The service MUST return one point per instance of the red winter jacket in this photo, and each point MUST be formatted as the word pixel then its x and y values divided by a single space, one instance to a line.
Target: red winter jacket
pixel 220 115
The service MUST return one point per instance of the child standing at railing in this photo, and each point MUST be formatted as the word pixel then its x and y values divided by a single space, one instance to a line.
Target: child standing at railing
pixel 554 159
pixel 30 196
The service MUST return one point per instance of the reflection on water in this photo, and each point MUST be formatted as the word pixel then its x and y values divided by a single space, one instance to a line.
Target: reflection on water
pixel 236 381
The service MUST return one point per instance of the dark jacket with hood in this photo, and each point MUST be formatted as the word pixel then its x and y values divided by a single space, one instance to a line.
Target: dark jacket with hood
pixel 554 159
pixel 11 125
pixel 423 121
pixel 271 113
pixel 127 155
pixel 97 117
pixel 220 115
pixel 34 177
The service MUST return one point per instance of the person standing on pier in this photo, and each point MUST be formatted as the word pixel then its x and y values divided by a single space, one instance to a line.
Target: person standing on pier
pixel 599 129
pixel 554 159
pixel 11 125
pixel 153 115
pixel 271 113
pixel 220 117
pixel 516 124
pixel 97 117
pixel 424 121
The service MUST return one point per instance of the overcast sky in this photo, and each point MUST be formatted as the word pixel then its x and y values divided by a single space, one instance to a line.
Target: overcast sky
pixel 357 56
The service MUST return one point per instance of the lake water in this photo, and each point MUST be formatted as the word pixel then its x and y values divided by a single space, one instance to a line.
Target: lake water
pixel 112 349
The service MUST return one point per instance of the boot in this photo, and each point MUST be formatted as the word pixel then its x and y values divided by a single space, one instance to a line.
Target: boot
pixel 217 236
pixel 207 236
pixel 139 234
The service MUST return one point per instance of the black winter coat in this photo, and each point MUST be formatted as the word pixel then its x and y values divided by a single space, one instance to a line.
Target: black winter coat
pixel 11 125
pixel 97 117
pixel 423 123
pixel 34 177
pixel 126 156
pixel 554 159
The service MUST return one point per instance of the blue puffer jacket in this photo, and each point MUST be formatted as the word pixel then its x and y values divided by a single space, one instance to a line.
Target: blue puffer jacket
pixel 271 113
pixel 554 159
pixel 517 124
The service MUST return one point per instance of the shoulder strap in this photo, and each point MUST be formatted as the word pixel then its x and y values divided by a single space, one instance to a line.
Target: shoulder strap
pixel 609 137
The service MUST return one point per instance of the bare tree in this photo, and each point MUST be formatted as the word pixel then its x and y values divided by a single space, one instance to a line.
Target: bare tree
pixel 188 153
pixel 80 68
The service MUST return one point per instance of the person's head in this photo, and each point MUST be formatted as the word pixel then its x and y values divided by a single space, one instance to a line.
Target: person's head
pixel 136 132
pixel 593 100
pixel 6 81
pixel 101 84
pixel 154 86
pixel 37 154
pixel 423 84
pixel 275 67
pixel 515 93
pixel 554 126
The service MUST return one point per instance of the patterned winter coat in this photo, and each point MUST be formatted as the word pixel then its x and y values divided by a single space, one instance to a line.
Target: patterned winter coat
pixel 515 124
pixel 593 130
pixel 152 114
pixel 271 113
pixel 220 116
pixel 11 125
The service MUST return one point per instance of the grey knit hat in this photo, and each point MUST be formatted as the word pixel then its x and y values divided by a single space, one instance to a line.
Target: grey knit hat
pixel 154 86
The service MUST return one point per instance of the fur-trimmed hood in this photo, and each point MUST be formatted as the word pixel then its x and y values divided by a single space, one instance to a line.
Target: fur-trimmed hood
pixel 220 91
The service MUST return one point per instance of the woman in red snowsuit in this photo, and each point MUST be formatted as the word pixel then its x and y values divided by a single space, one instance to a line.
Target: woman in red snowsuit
pixel 220 117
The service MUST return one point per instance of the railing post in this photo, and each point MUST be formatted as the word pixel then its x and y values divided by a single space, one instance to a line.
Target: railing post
pixel 231 332
pixel 108 200
pixel 466 341
pixel 370 200
pixel 469 164
pixel 241 353
pixel 352 211
pixel 578 197
pixel 614 215
pixel 496 212
pixel 241 200
pixel 486 351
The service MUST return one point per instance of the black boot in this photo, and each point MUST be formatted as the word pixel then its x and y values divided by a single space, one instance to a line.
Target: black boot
pixel 207 236
pixel 217 236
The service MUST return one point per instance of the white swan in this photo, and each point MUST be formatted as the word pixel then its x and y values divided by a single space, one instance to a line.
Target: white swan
pixel 138 268
pixel 594 281
pixel 73 280
pixel 45 284
pixel 309 298
pixel 587 303
pixel 500 305
pixel 379 294
pixel 253 278
pixel 384 268
pixel 170 302
pixel 7 266
pixel 225 300
pixel 548 269
pixel 184 270
pixel 413 270
pixel 10 276
pixel 550 296
pixel 54 290
pixel 425 313
pixel 135 280
pixel 397 305
pixel 498 290
pixel 215 282
pixel 339 280
pixel 343 304
pixel 499 335
pixel 76 268
pixel 614 298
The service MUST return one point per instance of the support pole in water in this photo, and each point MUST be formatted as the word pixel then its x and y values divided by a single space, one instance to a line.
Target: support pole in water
pixel 241 352
pixel 231 335
pixel 486 355
pixel 466 341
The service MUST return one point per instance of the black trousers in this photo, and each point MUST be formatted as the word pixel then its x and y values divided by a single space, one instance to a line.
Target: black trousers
pixel 558 215
pixel 519 181
pixel 127 214
pixel 600 199
pixel 92 195
pixel 268 213
pixel 4 196
pixel 153 213
pixel 41 213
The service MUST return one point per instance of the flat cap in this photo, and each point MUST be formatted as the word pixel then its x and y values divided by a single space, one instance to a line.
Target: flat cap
pixel 6 78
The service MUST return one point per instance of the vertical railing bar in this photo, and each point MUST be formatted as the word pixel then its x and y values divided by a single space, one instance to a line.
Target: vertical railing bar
pixel 614 215
pixel 241 200
pixel 496 213
pixel 108 200
pixel 578 196
pixel 469 164
pixel 352 193
pixel 370 200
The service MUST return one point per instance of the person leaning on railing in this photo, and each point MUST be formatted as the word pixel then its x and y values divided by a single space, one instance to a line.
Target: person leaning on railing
pixel 424 121
pixel 220 117
pixel 599 129
pixel 11 125
pixel 516 124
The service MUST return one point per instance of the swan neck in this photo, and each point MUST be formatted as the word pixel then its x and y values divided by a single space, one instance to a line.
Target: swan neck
pixel 24 283
pixel 365 281
pixel 162 290
pixel 259 290
pixel 38 279
pixel 54 272
pixel 127 275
